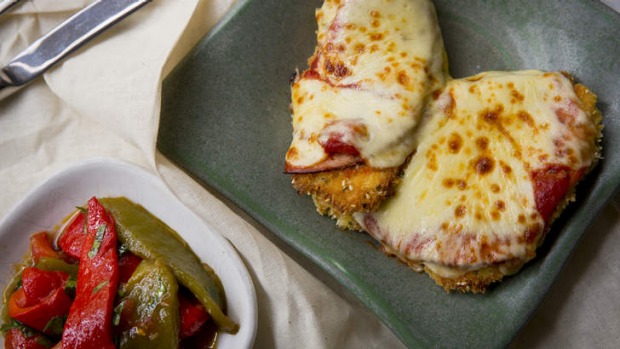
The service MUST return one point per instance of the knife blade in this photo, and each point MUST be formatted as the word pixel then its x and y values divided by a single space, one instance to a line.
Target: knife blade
pixel 62 41
pixel 6 5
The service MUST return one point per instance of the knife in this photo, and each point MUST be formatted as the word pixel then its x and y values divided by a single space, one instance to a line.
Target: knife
pixel 63 40
pixel 5 5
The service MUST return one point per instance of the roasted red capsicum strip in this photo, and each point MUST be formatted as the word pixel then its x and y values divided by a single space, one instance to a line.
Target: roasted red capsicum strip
pixel 15 338
pixel 38 283
pixel 41 298
pixel 193 315
pixel 40 246
pixel 89 324
pixel 72 239
pixel 127 264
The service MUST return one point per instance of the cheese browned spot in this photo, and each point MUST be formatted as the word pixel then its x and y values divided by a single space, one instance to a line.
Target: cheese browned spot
pixel 498 156
pixel 375 64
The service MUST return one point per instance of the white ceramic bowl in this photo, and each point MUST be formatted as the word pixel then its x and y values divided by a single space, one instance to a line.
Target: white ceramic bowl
pixel 50 202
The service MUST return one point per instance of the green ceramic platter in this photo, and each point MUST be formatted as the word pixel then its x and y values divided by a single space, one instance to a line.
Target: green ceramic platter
pixel 225 121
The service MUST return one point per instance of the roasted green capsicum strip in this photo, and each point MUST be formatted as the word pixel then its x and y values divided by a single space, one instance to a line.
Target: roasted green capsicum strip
pixel 149 308
pixel 50 263
pixel 148 237
pixel 13 283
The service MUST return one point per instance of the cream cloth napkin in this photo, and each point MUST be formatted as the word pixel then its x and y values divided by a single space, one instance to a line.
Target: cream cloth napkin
pixel 104 102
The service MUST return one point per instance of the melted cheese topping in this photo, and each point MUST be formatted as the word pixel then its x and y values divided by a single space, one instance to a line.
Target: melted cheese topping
pixel 375 64
pixel 467 199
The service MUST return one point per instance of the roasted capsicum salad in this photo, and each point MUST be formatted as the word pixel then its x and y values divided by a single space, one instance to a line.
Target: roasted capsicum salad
pixel 113 276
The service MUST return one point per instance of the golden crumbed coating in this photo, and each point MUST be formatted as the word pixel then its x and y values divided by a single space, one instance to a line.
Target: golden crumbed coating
pixel 471 282
pixel 588 99
pixel 340 193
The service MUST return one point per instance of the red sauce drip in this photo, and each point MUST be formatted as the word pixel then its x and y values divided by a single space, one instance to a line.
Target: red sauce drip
pixel 551 184
pixel 335 145
pixel 311 74
pixel 373 228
